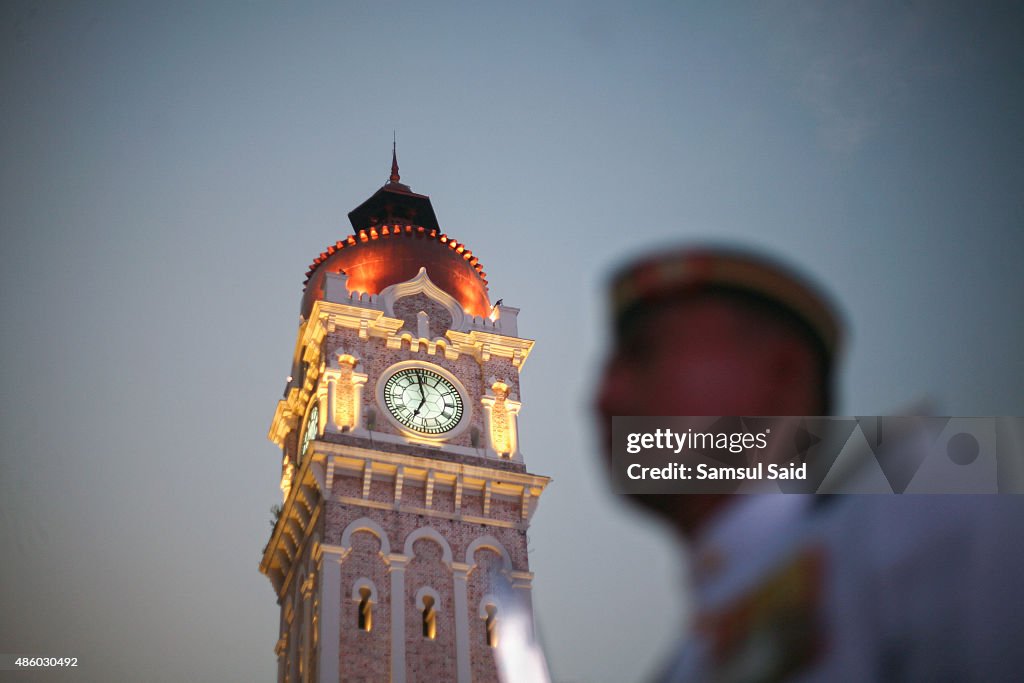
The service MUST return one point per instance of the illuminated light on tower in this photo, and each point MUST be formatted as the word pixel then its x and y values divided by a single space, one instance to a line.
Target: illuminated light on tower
pixel 400 550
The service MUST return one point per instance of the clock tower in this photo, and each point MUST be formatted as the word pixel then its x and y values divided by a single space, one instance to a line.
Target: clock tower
pixel 400 550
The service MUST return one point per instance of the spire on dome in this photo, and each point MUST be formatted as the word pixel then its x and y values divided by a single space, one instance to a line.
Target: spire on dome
pixel 394 203
pixel 394 159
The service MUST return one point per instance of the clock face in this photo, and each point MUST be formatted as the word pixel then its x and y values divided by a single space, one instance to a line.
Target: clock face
pixel 423 401
pixel 312 426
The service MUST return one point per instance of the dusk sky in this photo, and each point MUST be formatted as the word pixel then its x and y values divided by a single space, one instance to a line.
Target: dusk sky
pixel 169 171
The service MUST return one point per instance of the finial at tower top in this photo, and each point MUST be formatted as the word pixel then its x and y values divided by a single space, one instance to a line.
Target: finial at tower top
pixel 394 159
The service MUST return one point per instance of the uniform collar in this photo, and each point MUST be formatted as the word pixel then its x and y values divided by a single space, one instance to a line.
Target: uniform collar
pixel 746 537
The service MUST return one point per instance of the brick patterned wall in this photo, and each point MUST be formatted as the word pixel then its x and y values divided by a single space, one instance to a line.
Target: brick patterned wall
pixel 484 579
pixel 382 491
pixel 398 524
pixel 407 308
pixel 429 660
pixel 503 508
pixel 365 656
pixel 414 494
pixel 444 498
pixel 351 487
pixel 473 503
pixel 368 655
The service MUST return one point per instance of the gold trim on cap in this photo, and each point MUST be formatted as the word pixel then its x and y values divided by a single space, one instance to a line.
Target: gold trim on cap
pixel 696 269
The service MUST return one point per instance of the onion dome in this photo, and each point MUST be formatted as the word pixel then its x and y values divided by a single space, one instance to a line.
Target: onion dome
pixel 395 234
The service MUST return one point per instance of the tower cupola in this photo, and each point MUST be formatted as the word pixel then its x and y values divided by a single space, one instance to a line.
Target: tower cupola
pixel 395 233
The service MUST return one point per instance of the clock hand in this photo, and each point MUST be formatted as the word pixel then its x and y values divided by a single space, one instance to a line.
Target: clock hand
pixel 423 395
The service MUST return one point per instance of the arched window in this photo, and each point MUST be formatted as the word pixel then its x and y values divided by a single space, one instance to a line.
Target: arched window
pixel 491 625
pixel 428 602
pixel 365 618
pixel 364 595
pixel 429 618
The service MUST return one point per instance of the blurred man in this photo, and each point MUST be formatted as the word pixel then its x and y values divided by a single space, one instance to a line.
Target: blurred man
pixel 797 587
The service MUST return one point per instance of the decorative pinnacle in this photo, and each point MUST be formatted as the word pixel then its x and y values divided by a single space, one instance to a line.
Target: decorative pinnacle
pixel 394 160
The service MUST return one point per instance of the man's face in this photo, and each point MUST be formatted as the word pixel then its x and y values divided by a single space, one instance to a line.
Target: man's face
pixel 689 358
pixel 706 355
pixel 698 357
